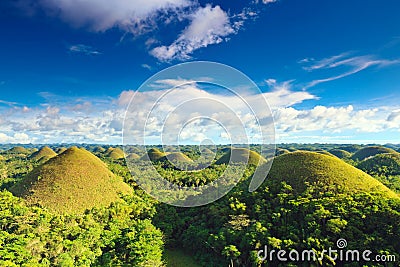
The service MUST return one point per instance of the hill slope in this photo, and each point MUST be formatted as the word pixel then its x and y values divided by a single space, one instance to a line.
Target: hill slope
pixel 300 169
pixel 382 164
pixel 241 155
pixel 115 153
pixel 153 154
pixel 176 157
pixel 340 153
pixel 45 153
pixel 370 151
pixel 71 182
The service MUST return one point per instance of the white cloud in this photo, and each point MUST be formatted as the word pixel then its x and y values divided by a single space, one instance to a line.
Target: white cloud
pixel 348 65
pixel 16 138
pixel 135 16
pixel 83 49
pixel 209 25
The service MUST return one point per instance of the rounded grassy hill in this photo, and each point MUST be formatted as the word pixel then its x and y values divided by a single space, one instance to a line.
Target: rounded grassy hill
pixel 175 157
pixel 18 150
pixel 382 164
pixel 340 153
pixel 71 182
pixel 44 154
pixel 371 151
pixel 153 154
pixel 61 150
pixel 302 169
pixel 237 155
pixel 115 153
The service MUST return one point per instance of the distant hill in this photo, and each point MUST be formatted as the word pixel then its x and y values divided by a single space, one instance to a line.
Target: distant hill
pixel 371 151
pixel 115 153
pixel 300 169
pixel 323 152
pixel 71 182
pixel 175 157
pixel 281 151
pixel 350 148
pixel 44 154
pixel 340 153
pixel 18 150
pixel 153 154
pixel 132 156
pixel 382 164
pixel 241 155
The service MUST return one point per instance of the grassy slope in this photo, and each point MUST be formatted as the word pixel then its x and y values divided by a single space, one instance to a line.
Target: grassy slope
pixel 176 157
pixel 116 153
pixel 71 182
pixel 241 155
pixel 329 173
pixel 340 153
pixel 44 152
pixel 371 151
pixel 153 154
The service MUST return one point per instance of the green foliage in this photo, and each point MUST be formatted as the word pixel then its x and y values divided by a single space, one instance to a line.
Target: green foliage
pixel 118 235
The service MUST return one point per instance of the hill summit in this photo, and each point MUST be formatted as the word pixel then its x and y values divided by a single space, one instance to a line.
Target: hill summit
pixel 302 169
pixel 71 182
pixel 44 154
pixel 371 151
pixel 244 155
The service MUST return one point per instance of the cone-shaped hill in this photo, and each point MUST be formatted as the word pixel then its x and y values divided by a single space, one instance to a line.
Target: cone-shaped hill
pixel 60 150
pixel 176 157
pixel 371 151
pixel 71 182
pixel 244 155
pixel 18 150
pixel 153 154
pixel 340 153
pixel 115 153
pixel 382 164
pixel 44 154
pixel 301 169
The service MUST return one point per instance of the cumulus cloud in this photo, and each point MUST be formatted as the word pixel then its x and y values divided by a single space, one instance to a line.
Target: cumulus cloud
pixel 135 16
pixel 209 25
pixel 86 121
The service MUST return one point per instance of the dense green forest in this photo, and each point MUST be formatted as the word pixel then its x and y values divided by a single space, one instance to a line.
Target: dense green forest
pixel 61 205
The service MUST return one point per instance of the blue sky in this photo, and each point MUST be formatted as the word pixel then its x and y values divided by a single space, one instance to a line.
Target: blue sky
pixel 330 67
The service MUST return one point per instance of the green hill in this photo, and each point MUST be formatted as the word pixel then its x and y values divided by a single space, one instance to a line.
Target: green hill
pixel 99 149
pixel 71 182
pixel 153 154
pixel 281 151
pixel 18 150
pixel 241 155
pixel 176 157
pixel 44 154
pixel 340 153
pixel 132 156
pixel 301 169
pixel 351 148
pixel 115 153
pixel 371 151
pixel 382 164
pixel 324 152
